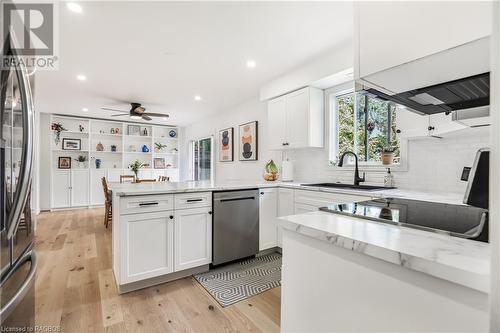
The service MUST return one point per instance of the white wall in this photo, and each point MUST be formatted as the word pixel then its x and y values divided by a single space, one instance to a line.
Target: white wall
pixel 44 160
pixel 433 164
pixel 248 111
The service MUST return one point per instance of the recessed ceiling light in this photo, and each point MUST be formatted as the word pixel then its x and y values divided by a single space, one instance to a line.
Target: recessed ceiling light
pixel 197 98
pixel 251 64
pixel 85 110
pixel 74 7
pixel 81 77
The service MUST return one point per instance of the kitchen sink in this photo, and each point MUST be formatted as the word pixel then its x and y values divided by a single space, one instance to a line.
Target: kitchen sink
pixel 350 186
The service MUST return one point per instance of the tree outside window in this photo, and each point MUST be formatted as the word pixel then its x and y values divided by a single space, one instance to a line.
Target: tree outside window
pixel 366 125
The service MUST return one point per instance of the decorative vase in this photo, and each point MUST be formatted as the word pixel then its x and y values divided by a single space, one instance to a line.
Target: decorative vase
pixel 98 163
pixel 99 147
pixel 387 158
pixel 145 149
pixel 113 147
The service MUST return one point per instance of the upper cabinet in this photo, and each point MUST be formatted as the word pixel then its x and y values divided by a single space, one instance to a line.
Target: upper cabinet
pixel 296 120
pixel 395 42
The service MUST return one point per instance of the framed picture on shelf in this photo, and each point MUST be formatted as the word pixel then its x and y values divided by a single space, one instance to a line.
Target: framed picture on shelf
pixel 64 162
pixel 159 163
pixel 226 145
pixel 134 130
pixel 71 144
pixel 248 138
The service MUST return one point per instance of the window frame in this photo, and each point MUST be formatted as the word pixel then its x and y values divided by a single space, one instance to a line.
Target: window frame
pixel 331 95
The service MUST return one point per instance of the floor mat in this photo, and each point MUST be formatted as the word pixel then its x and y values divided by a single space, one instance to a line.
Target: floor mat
pixel 236 282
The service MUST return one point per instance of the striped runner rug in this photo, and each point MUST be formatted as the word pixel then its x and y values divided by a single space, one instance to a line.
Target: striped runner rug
pixel 235 282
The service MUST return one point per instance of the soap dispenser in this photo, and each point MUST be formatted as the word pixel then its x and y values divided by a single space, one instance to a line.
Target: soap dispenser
pixel 388 178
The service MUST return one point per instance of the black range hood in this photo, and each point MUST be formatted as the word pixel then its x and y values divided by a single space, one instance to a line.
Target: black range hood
pixel 465 93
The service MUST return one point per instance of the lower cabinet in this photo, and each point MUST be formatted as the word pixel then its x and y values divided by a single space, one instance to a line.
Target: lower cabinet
pixel 70 188
pixel 147 245
pixel 285 207
pixel 268 216
pixel 193 237
pixel 310 201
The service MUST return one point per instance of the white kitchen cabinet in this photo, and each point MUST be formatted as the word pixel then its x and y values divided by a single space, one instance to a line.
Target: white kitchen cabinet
pixel 147 245
pixel 96 190
pixel 301 208
pixel 61 188
pixel 285 207
pixel 193 238
pixel 79 187
pixel 296 120
pixel 276 113
pixel 268 214
pixel 389 34
pixel 307 201
pixel 411 125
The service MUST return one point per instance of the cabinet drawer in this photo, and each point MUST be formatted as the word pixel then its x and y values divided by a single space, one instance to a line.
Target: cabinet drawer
pixel 193 200
pixel 146 204
pixel 321 199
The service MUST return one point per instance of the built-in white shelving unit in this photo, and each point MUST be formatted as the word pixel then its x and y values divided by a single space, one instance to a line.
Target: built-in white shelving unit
pixel 123 143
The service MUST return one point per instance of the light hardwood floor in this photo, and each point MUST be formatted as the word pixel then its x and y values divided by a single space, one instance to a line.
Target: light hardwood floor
pixel 75 288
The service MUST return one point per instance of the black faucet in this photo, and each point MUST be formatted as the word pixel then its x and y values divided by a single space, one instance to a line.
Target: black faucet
pixel 357 178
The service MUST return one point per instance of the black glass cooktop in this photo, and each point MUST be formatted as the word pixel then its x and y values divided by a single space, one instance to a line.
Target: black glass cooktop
pixel 456 220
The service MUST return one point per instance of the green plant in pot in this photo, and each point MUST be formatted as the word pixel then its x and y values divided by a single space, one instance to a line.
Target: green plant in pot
pixel 159 147
pixel 388 155
pixel 271 171
pixel 135 166
pixel 81 159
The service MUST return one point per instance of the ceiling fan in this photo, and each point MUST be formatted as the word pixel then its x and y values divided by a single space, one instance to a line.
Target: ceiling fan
pixel 136 112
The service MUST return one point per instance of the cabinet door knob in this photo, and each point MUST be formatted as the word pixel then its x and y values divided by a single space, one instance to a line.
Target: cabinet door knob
pixel 171 217
pixel 398 131
pixel 261 193
pixel 283 144
pixel 431 128
pixel 210 212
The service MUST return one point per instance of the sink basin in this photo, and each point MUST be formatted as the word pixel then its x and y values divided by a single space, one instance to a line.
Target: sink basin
pixel 350 186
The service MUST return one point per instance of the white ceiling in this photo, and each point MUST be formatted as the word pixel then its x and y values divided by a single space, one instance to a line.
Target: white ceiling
pixel 162 54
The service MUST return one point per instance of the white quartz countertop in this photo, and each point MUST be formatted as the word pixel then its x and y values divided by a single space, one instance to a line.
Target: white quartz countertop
pixel 128 189
pixel 461 261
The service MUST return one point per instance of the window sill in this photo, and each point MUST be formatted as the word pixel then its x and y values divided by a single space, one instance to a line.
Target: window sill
pixel 371 167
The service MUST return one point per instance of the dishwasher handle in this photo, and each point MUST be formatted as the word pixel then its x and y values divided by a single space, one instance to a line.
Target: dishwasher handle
pixel 236 199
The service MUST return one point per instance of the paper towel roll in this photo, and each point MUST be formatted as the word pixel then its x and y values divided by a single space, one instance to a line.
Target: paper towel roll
pixel 287 171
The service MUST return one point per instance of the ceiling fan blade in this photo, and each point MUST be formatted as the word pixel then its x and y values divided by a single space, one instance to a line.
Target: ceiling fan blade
pixel 152 114
pixel 145 117
pixel 119 115
pixel 111 109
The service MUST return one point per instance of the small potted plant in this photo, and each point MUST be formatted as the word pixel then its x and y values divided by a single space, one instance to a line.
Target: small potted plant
pixel 159 147
pixel 135 166
pixel 57 128
pixel 81 159
pixel 388 155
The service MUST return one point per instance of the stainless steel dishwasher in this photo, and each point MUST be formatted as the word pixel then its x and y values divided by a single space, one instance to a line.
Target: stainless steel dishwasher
pixel 235 225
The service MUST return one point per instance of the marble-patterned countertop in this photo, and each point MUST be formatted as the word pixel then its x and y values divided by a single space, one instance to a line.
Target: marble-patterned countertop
pixel 128 189
pixel 461 261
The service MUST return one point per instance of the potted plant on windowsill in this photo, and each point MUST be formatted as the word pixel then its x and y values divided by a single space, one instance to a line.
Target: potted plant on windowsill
pixel 135 166
pixel 388 155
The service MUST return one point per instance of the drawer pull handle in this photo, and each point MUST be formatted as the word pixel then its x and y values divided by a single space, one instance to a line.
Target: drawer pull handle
pixel 210 212
pixel 171 217
pixel 194 200
pixel 143 204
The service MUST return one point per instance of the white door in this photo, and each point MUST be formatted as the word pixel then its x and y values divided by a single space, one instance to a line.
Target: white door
pixel 410 124
pixel 297 118
pixel 276 115
pixel 268 213
pixel 79 188
pixel 96 190
pixel 147 245
pixel 285 207
pixel 193 238
pixel 441 123
pixel 61 189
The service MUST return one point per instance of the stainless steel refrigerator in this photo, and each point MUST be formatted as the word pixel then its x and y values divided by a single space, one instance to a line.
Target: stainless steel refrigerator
pixel 17 257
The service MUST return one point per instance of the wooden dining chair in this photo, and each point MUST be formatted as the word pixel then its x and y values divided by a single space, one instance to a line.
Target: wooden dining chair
pixel 163 178
pixel 146 180
pixel 127 179
pixel 108 203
